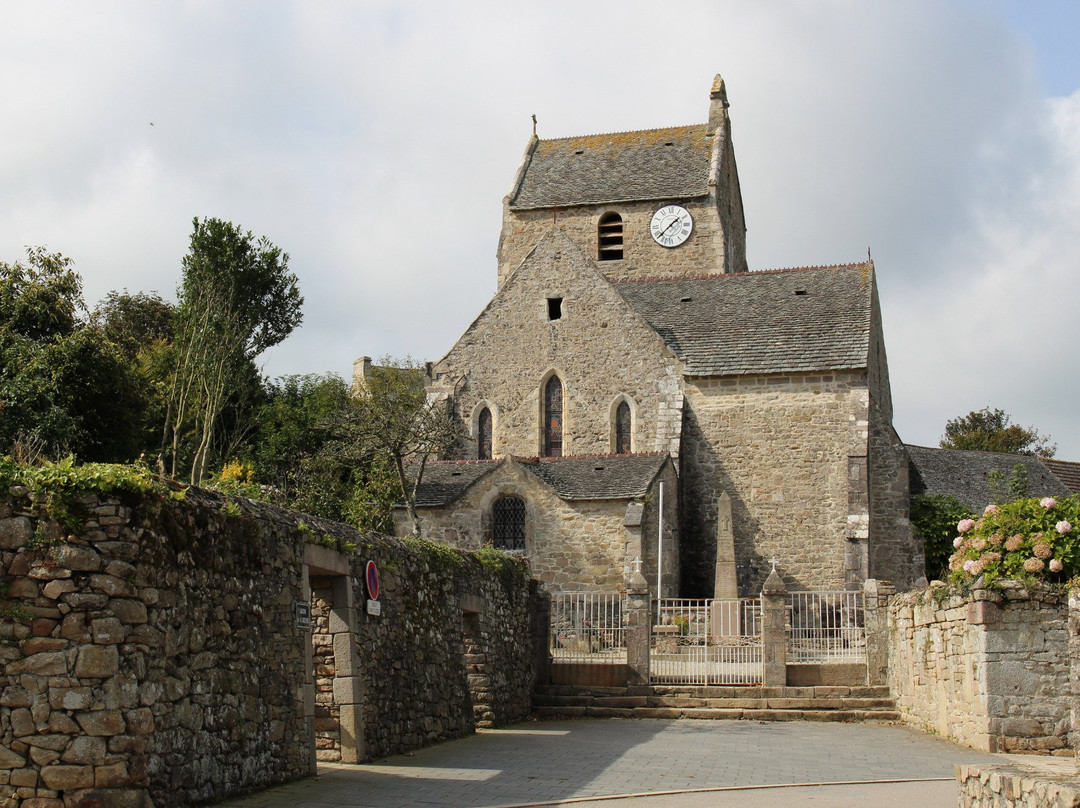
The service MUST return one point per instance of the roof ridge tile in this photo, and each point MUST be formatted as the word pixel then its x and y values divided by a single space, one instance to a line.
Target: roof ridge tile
pixel 718 275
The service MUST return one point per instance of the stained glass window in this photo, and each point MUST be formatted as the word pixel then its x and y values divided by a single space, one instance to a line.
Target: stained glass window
pixel 483 435
pixel 622 428
pixel 553 417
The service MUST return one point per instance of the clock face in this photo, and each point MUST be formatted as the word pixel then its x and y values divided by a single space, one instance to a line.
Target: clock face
pixel 671 226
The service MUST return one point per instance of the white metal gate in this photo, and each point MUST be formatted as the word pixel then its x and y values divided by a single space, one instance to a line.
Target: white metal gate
pixel 826 627
pixel 706 642
pixel 588 627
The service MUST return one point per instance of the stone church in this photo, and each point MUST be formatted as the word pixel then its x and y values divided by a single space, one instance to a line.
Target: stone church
pixel 636 398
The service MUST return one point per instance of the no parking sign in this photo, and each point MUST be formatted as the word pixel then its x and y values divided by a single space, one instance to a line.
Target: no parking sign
pixel 371 580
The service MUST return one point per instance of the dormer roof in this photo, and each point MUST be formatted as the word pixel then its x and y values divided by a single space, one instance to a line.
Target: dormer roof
pixel 651 164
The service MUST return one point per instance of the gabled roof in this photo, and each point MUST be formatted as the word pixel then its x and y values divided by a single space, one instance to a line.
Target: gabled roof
pixel 447 481
pixel 598 477
pixel 1067 472
pixel 649 164
pixel 965 475
pixel 593 477
pixel 782 321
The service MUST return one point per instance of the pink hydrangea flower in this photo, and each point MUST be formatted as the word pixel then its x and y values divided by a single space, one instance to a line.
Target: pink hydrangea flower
pixel 958 541
pixel 1063 527
pixel 1034 565
pixel 972 567
pixel 990 510
pixel 964 525
pixel 1013 543
pixel 1055 565
pixel 990 558
pixel 1048 502
pixel 1043 550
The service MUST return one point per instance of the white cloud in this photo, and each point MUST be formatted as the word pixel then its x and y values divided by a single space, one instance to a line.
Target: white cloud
pixel 374 141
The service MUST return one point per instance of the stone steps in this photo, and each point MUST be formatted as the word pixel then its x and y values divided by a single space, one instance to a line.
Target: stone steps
pixel 847 704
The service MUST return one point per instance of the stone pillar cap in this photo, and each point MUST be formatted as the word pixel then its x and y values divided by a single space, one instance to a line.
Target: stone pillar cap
pixel 638 583
pixel 774 584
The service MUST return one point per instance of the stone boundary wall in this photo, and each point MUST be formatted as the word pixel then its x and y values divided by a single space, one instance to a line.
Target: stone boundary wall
pixel 990 669
pixel 153 652
pixel 1014 787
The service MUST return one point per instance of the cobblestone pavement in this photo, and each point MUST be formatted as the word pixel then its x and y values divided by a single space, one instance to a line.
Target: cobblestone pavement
pixel 550 762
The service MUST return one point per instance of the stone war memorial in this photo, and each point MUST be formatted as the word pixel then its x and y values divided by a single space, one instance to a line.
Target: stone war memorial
pixel 680 494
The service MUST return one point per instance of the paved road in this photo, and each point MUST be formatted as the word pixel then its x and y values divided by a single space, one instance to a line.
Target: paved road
pixel 571 761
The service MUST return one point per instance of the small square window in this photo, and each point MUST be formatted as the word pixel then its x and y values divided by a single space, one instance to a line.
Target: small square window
pixel 554 308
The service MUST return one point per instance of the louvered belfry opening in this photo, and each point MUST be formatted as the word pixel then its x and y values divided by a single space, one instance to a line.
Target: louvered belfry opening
pixel 610 237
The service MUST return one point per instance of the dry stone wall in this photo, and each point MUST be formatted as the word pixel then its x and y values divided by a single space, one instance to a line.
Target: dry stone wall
pixel 990 670
pixel 416 677
pixel 152 651
pixel 161 657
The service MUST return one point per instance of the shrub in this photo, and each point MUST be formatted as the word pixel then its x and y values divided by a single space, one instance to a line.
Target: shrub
pixel 1028 539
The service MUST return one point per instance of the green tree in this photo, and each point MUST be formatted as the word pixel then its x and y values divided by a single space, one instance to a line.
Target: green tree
pixel 992 430
pixel 394 419
pixel 64 387
pixel 133 322
pixel 237 298
pixel 934 519
pixel 292 444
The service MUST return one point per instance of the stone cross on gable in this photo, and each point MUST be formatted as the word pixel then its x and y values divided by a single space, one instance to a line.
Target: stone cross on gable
pixel 637 564
pixel 773 562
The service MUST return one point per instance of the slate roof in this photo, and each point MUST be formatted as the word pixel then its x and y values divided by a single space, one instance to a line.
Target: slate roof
pixel 598 477
pixel 622 166
pixel 781 321
pixel 445 482
pixel 1067 472
pixel 965 474
pixel 572 478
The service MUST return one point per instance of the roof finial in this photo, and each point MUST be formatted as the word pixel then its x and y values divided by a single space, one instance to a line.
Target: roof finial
pixel 534 124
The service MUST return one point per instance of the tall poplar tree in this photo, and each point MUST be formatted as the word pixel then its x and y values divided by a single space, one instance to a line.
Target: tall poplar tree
pixel 236 299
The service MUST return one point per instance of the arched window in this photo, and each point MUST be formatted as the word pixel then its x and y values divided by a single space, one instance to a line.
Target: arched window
pixel 508 523
pixel 553 417
pixel 610 237
pixel 622 428
pixel 483 435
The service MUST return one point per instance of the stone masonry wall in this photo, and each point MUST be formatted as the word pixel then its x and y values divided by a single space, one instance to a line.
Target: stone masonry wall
pixel 701 254
pixel 161 656
pixel 153 652
pixel 327 713
pixel 896 553
pixel 600 349
pixel 416 676
pixel 780 447
pixel 990 670
pixel 570 545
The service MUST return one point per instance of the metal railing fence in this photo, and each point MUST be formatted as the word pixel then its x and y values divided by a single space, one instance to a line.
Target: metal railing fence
pixel 706 642
pixel 587 627
pixel 826 627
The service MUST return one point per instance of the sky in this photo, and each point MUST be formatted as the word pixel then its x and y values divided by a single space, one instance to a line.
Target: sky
pixel 374 142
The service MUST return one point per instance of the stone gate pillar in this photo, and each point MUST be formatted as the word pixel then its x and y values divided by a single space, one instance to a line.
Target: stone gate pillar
pixel 876 625
pixel 638 630
pixel 774 601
